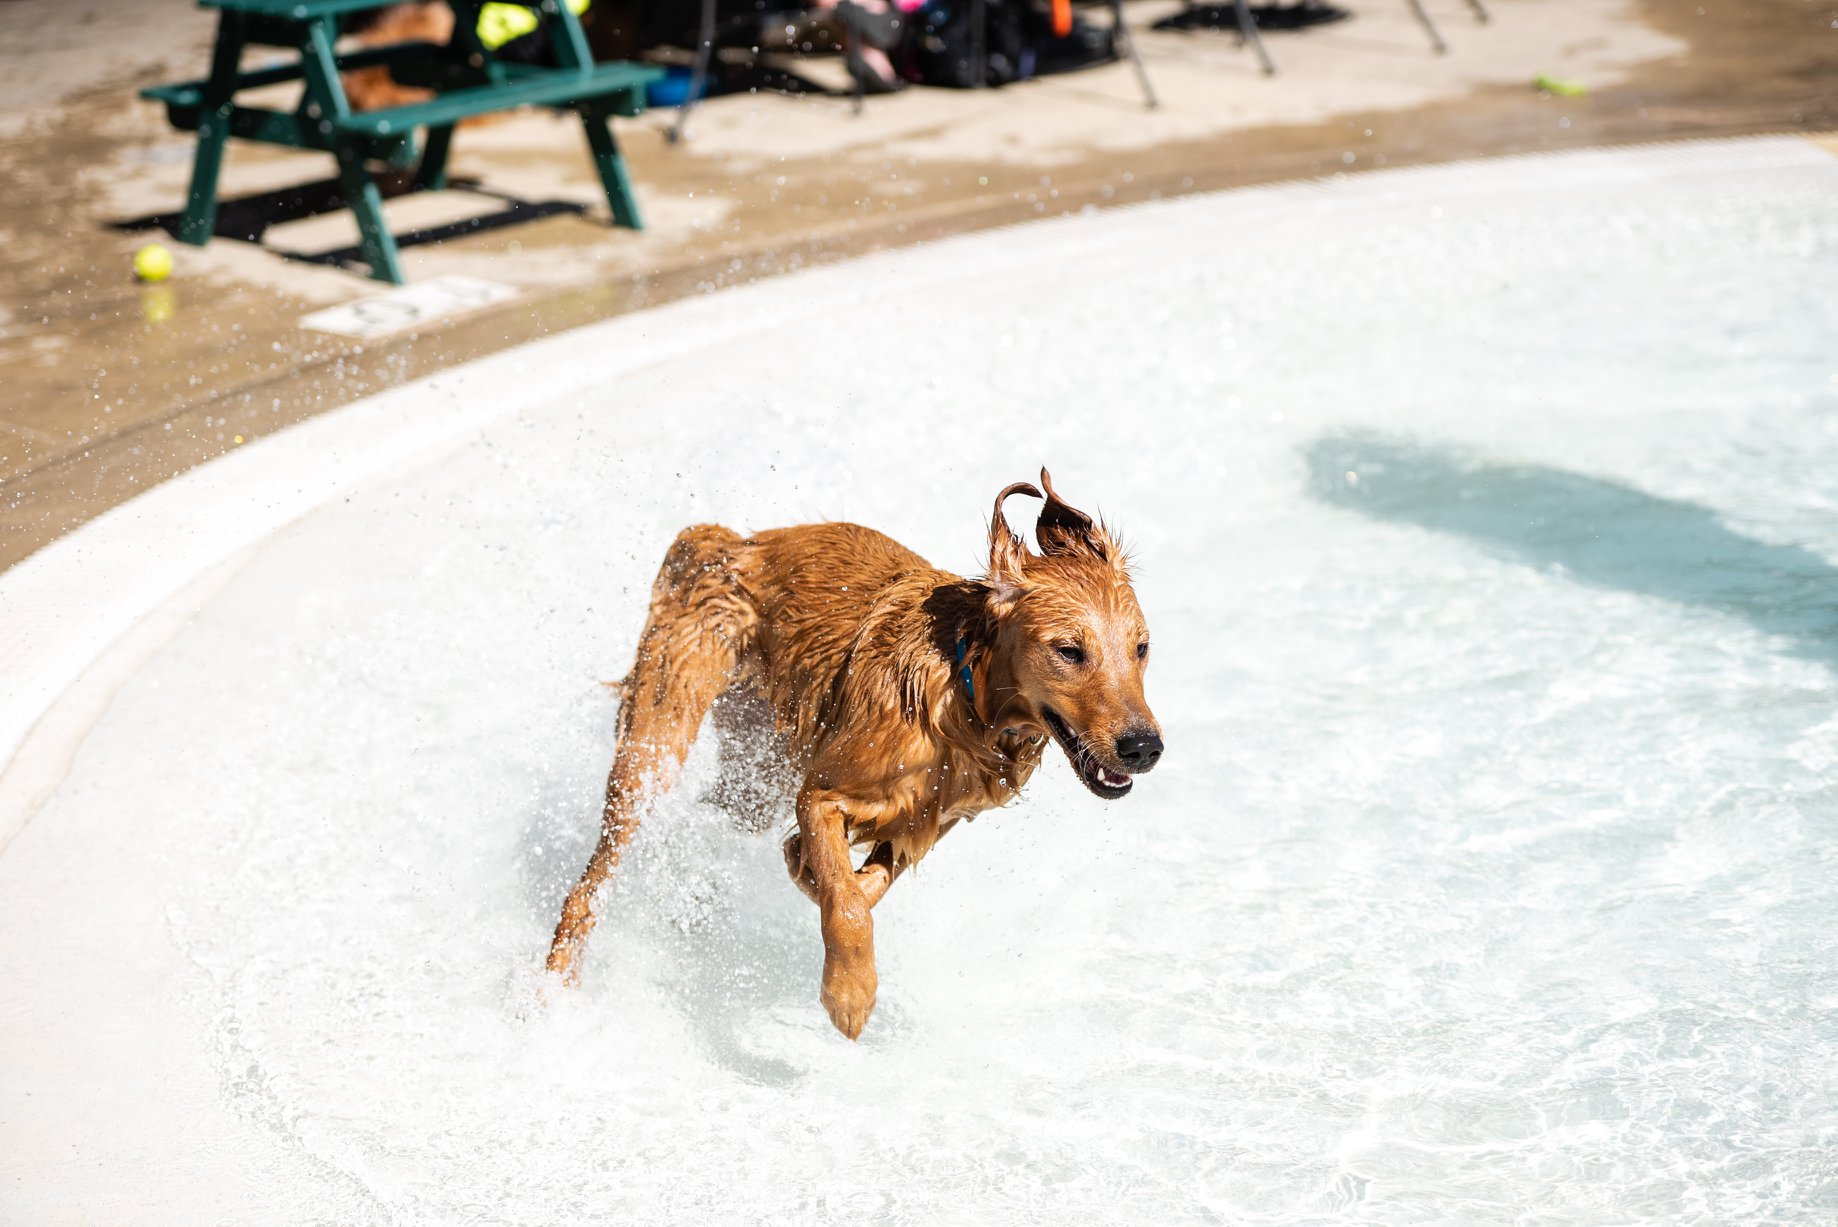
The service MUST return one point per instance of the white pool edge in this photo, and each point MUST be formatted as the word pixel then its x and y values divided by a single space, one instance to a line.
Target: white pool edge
pixel 81 599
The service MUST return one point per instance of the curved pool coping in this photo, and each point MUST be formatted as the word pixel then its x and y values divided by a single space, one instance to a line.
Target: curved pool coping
pixel 78 617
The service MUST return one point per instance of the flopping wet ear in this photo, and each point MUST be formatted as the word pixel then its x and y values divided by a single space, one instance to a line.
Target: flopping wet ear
pixel 1064 529
pixel 1007 552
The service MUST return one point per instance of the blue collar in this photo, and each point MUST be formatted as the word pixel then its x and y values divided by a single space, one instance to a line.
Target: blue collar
pixel 963 670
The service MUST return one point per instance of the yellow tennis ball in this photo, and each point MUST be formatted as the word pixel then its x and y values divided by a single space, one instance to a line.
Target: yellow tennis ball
pixel 153 262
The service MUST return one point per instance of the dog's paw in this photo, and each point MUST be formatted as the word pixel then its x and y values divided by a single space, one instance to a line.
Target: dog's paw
pixel 546 987
pixel 531 991
pixel 848 995
pixel 563 967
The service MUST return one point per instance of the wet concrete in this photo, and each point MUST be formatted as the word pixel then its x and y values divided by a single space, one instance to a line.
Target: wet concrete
pixel 110 386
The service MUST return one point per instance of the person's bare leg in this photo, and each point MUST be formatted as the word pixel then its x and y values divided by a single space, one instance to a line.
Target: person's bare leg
pixel 878 63
pixel 871 57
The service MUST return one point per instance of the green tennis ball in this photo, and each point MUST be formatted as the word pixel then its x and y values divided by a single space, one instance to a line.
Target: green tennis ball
pixel 1559 86
pixel 153 262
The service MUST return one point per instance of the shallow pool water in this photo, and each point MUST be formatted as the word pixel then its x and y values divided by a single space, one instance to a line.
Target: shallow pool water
pixel 1488 529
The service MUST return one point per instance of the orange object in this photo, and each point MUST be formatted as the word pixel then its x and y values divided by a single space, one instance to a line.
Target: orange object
pixel 1062 18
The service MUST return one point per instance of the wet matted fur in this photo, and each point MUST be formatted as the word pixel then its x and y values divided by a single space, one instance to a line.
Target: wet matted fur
pixel 906 697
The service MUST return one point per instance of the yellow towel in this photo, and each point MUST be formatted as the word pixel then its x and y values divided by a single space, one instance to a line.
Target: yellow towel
pixel 500 23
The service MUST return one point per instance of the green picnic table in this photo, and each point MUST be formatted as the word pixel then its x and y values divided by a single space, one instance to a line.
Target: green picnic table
pixel 470 79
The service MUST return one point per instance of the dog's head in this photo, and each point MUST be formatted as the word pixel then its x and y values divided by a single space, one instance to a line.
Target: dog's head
pixel 1071 643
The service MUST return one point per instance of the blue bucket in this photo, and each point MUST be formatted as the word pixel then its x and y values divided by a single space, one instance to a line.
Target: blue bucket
pixel 672 89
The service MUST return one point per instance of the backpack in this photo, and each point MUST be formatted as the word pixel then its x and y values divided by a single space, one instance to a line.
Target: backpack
pixel 941 45
pixel 1018 42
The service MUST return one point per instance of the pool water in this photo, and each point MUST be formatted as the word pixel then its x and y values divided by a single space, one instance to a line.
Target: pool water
pixel 1487 521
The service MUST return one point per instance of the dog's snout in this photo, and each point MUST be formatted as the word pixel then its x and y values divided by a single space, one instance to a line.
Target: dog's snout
pixel 1139 750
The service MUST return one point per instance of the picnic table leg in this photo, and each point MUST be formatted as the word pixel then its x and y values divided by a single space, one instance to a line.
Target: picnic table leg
pixel 568 39
pixel 328 96
pixel 597 119
pixel 433 172
pixel 200 219
pixel 374 239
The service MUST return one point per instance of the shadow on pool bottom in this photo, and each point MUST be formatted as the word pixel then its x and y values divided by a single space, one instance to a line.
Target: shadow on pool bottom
pixel 1598 532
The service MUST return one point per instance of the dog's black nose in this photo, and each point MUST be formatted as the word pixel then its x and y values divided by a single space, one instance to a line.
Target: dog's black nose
pixel 1139 750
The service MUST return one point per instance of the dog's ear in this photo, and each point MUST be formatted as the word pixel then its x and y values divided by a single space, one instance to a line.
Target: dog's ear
pixel 1007 552
pixel 1063 528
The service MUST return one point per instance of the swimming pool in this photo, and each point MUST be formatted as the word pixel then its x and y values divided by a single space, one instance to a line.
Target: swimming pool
pixel 1488 526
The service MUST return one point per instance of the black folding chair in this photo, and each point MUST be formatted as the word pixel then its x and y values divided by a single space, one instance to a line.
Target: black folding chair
pixel 1480 14
pixel 1119 29
pixel 1248 32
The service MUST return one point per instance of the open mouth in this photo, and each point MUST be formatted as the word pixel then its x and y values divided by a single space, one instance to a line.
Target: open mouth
pixel 1095 775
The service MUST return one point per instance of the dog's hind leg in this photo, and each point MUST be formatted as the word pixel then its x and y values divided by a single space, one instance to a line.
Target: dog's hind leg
pixel 699 630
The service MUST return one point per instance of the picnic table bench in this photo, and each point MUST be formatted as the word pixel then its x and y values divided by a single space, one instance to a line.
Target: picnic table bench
pixel 469 78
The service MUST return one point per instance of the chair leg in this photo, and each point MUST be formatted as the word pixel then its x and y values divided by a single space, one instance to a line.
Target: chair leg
pixel 613 177
pixel 1120 30
pixel 200 219
pixel 375 240
pixel 1247 30
pixel 698 76
pixel 432 174
pixel 979 37
pixel 1480 11
pixel 1442 48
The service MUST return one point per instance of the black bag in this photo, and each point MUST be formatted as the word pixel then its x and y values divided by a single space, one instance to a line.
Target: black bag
pixel 1018 42
pixel 941 47
pixel 1081 46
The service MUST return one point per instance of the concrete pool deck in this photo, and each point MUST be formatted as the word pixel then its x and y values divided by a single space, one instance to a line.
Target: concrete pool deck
pixel 113 387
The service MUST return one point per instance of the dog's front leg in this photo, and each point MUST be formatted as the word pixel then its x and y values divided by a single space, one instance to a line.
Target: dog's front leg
pixel 849 981
pixel 877 873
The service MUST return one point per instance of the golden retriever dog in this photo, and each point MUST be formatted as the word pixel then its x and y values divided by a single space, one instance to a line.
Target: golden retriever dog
pixel 905 698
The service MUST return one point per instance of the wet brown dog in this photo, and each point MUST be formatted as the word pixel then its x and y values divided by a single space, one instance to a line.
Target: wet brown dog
pixel 906 697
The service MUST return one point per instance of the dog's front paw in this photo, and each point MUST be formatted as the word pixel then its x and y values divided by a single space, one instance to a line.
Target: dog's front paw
pixel 564 964
pixel 848 995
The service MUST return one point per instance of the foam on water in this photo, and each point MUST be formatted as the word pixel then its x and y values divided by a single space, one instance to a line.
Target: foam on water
pixel 1488 539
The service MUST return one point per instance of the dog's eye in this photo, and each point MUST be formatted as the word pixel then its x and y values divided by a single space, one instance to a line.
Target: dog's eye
pixel 1142 650
pixel 1070 652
